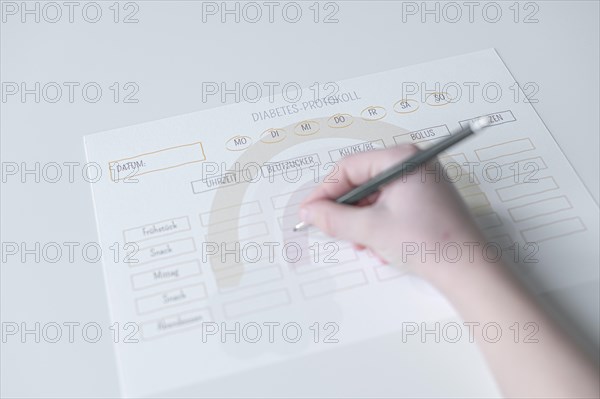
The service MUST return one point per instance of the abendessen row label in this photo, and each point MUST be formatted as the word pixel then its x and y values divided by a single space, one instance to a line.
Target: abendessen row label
pixel 168 158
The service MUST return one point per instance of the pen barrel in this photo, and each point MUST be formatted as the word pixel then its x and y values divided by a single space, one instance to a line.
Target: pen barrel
pixel 400 169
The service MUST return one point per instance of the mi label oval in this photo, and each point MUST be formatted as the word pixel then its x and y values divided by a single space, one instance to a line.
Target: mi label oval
pixel 306 128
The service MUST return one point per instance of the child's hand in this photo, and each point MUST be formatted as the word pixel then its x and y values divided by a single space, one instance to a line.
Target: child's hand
pixel 412 211
pixel 417 210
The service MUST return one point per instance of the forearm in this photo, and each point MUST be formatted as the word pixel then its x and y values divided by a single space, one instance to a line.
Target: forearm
pixel 548 364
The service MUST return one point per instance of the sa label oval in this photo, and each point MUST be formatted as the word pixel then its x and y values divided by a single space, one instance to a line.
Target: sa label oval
pixel 405 106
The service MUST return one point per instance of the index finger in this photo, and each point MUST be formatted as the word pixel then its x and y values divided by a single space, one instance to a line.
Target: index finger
pixel 357 169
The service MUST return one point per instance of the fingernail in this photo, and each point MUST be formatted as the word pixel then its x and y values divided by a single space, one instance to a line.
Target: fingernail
pixel 383 261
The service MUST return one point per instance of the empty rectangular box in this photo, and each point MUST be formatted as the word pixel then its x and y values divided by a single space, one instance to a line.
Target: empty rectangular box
pixel 249 277
pixel 489 220
pixel 521 190
pixel 543 207
pixel 476 201
pixel 556 229
pixel 388 272
pixel 245 232
pixel 504 149
pixel 328 256
pixel 503 240
pixel 521 170
pixel 333 284
pixel 256 303
pixel 281 200
pixel 236 212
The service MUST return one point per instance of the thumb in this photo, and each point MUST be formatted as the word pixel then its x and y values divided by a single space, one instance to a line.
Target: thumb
pixel 346 222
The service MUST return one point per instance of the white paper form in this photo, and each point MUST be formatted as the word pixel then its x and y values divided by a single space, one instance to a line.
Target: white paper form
pixel 200 209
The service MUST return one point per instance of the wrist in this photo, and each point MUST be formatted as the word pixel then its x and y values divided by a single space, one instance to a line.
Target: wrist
pixel 459 263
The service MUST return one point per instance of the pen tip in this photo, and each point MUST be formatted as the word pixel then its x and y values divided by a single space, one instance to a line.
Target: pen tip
pixel 299 226
pixel 480 123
